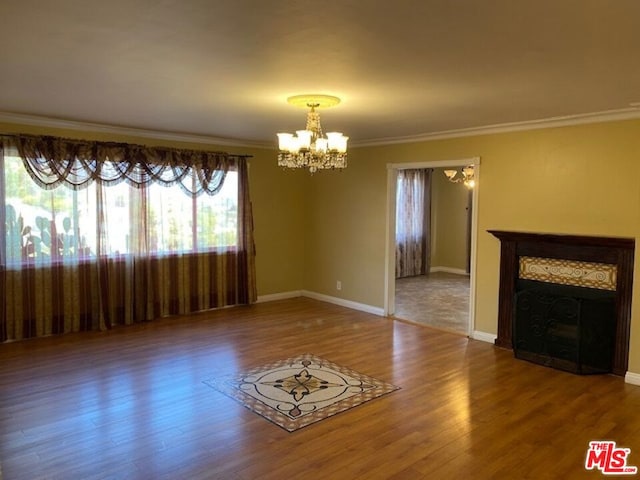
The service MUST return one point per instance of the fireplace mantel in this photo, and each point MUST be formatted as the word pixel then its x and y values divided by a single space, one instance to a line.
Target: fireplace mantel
pixel 607 250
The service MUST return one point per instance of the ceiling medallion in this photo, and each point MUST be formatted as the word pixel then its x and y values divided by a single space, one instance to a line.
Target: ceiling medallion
pixel 309 148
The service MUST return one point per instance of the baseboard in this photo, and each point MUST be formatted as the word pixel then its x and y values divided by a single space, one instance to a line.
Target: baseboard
pixel 272 297
pixel 344 303
pixel 632 378
pixel 324 298
pixel 457 271
pixel 484 336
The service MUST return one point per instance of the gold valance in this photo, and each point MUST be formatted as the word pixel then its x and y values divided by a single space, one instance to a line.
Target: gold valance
pixel 54 161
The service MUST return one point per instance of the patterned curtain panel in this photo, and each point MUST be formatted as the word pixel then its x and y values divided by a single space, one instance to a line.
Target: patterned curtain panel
pixel 413 218
pixel 90 243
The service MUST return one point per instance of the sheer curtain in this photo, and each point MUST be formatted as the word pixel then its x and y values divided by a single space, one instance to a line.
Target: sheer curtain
pixel 100 234
pixel 413 218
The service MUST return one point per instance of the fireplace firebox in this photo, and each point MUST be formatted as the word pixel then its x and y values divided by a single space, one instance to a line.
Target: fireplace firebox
pixel 569 328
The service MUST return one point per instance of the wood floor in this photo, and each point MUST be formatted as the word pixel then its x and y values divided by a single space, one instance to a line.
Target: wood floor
pixel 131 404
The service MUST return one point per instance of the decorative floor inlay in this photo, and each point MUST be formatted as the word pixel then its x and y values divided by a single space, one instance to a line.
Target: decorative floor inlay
pixel 299 391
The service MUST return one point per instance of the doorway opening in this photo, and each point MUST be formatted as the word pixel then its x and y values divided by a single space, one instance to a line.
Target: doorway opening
pixel 442 293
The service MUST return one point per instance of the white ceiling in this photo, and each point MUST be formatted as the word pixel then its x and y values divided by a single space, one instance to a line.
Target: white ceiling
pixel 402 68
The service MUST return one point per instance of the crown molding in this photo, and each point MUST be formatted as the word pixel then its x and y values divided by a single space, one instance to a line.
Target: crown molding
pixel 630 113
pixel 38 121
pixel 564 121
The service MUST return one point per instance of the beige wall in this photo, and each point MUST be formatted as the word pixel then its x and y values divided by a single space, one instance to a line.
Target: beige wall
pixel 278 200
pixel 448 222
pixel 580 179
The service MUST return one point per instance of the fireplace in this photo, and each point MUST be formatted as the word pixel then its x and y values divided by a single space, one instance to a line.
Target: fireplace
pixel 565 300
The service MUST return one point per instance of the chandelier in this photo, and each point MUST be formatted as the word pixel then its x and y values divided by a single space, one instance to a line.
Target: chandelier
pixel 309 148
pixel 465 176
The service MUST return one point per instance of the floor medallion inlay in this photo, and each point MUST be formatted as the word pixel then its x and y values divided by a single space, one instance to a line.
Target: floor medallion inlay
pixel 299 391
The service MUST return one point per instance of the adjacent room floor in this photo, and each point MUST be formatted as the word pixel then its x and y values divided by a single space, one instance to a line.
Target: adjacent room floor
pixel 439 300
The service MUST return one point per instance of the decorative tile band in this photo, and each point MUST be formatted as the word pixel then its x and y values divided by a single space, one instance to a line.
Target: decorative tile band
pixel 602 276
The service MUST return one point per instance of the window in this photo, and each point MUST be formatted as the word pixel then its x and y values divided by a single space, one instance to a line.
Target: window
pixel 98 234
pixel 54 225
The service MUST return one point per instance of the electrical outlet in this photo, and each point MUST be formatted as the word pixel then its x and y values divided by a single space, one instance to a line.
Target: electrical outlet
pixel 338 285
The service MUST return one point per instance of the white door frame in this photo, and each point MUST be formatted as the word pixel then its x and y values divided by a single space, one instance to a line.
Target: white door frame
pixel 390 244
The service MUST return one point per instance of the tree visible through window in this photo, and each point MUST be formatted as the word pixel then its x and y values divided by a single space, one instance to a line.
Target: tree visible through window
pixel 53 225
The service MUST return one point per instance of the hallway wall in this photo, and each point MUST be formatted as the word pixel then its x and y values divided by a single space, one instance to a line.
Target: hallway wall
pixel 448 223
